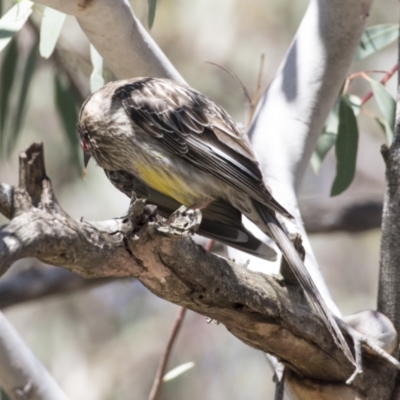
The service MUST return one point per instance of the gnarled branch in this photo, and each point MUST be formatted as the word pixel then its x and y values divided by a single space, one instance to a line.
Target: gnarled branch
pixel 262 311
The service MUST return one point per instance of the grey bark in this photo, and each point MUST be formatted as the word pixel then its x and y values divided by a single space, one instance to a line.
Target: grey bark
pixel 262 311
pixel 389 273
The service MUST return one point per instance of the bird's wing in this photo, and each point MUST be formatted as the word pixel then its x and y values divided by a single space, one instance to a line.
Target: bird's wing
pixel 195 128
pixel 220 221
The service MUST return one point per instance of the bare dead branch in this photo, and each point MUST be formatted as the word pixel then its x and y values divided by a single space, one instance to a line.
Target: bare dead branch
pixel 262 311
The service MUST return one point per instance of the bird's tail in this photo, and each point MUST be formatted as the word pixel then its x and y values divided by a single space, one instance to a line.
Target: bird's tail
pixel 301 273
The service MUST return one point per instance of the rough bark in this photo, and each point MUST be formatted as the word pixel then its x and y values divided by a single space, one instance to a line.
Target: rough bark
pixel 389 273
pixel 262 311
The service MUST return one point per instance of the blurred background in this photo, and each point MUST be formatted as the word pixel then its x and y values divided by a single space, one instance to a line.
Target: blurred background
pixel 105 342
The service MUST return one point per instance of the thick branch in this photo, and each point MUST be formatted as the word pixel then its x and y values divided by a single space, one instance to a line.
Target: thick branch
pixel 119 37
pixel 262 311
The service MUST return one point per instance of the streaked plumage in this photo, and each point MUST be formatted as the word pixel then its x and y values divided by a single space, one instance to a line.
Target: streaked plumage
pixel 183 146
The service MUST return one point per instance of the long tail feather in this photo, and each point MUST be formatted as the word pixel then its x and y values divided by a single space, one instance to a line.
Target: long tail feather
pixel 300 271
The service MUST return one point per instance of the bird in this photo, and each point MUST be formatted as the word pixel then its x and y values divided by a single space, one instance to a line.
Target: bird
pixel 163 138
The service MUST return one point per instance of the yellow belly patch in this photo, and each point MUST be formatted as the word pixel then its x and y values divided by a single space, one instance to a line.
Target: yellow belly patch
pixel 168 184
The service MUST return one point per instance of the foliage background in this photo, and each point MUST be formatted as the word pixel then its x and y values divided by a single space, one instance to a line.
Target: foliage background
pixel 105 343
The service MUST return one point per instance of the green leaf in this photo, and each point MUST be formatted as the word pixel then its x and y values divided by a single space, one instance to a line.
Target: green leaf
pixel 67 110
pixel 327 138
pixel 13 21
pixel 355 102
pixel 181 369
pixel 376 38
pixel 386 129
pixel 346 147
pixel 152 4
pixel 387 105
pixel 50 29
pixel 8 69
pixel 96 78
pixel 324 144
pixel 20 113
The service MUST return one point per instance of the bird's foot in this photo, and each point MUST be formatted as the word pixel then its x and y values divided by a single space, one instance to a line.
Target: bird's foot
pixel 182 222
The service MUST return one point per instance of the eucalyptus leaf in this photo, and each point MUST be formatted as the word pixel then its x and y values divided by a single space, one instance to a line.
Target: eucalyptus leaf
pixel 7 74
pixel 50 29
pixel 346 147
pixel 67 110
pixel 23 95
pixel 386 129
pixel 387 105
pixel 96 78
pixel 152 4
pixel 376 38
pixel 327 139
pixel 181 369
pixel 355 102
pixel 13 20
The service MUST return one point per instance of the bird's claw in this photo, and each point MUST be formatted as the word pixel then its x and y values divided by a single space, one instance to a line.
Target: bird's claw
pixel 183 222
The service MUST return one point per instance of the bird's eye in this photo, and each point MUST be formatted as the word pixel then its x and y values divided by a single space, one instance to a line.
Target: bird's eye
pixel 84 145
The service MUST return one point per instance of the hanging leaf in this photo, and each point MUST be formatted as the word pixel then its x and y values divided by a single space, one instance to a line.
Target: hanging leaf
pixel 13 21
pixel 67 110
pixel 152 4
pixel 346 147
pixel 96 78
pixel 386 129
pixel 181 369
pixel 387 105
pixel 20 112
pixel 355 102
pixel 7 72
pixel 327 138
pixel 376 38
pixel 50 29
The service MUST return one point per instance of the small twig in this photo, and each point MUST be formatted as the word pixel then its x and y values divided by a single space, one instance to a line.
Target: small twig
pixel 257 93
pixel 371 71
pixel 235 77
pixel 155 389
pixel 180 315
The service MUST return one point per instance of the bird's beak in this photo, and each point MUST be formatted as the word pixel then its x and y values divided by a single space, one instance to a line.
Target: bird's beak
pixel 86 158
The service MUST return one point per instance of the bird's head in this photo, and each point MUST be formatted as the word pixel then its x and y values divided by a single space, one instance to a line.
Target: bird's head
pixel 100 129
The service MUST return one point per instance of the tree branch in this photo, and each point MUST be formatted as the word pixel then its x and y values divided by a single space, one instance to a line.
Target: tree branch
pixel 389 273
pixel 262 311
pixel 346 214
pixel 21 374
pixel 175 269
pixel 128 49
pixel 36 283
